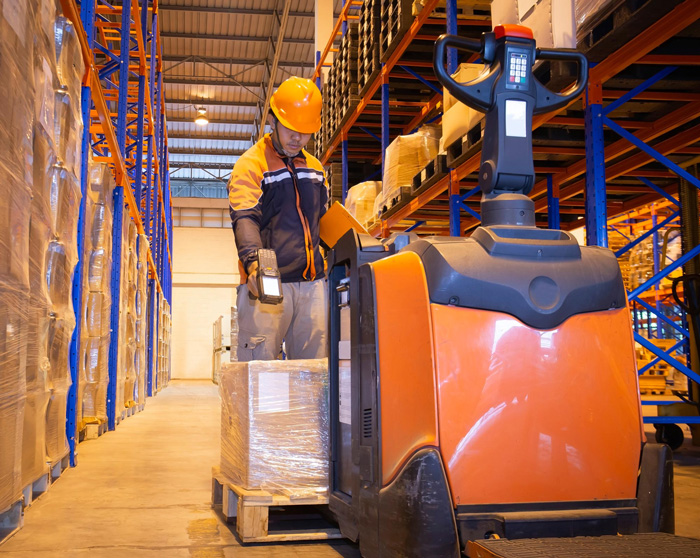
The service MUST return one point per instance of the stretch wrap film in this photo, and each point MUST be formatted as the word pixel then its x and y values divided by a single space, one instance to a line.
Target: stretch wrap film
pixel 140 305
pixel 13 387
pixel 360 200
pixel 405 157
pixel 97 255
pixel 274 425
pixel 127 381
pixel 589 12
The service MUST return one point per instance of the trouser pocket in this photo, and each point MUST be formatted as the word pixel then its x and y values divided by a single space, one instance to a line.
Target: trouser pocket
pixel 251 347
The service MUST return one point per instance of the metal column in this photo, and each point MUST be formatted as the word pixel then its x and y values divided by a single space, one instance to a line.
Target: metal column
pixel 596 202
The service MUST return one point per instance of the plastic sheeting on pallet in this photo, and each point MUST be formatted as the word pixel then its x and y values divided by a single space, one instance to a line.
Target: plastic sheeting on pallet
pixel 274 425
pixel 95 329
pixel 406 156
pixel 360 200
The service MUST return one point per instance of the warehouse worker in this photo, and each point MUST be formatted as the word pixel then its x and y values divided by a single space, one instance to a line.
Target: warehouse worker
pixel 277 194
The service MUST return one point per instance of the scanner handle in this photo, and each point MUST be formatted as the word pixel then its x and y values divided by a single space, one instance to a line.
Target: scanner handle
pixel 479 94
pixel 548 100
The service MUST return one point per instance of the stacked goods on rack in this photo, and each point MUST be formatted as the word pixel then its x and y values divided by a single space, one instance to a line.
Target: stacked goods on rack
pixel 163 363
pixel 126 375
pixel 62 254
pixel 347 90
pixel 17 89
pixel 396 18
pixel 459 119
pixel 360 201
pixel 141 303
pixel 97 297
pixel 368 66
pixel 274 426
pixel 404 158
pixel 340 90
pixel 465 8
pixel 357 172
pixel 32 332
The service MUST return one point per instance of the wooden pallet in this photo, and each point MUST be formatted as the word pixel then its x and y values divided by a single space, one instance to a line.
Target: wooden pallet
pixel 92 431
pixel 58 467
pixel 35 489
pixel 398 200
pixel 251 511
pixel 11 520
pixel 433 171
pixel 465 148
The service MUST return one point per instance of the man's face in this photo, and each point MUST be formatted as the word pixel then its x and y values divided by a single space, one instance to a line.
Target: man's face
pixel 290 141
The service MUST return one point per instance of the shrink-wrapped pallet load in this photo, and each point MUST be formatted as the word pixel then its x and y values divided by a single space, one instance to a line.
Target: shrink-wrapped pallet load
pixel 95 330
pixel 458 118
pixel 274 425
pixel 126 374
pixel 65 196
pixel 360 200
pixel 405 157
pixel 553 22
pixel 140 309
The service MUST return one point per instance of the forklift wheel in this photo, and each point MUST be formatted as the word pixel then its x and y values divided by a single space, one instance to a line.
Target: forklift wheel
pixel 670 434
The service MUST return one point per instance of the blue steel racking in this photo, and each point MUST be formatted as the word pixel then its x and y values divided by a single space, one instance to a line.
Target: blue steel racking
pixel 558 185
pixel 124 126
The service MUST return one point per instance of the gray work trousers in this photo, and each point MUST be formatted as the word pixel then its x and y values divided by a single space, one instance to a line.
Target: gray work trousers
pixel 301 320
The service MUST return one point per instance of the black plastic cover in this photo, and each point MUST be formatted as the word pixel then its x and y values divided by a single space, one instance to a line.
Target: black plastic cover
pixel 542 277
pixel 416 517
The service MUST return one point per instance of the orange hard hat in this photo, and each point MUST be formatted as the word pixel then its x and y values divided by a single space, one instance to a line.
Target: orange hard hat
pixel 297 105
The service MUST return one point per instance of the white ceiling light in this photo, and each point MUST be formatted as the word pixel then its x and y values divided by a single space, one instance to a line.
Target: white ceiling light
pixel 201 119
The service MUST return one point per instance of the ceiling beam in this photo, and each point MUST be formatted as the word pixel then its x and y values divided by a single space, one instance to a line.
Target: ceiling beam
pixel 217 152
pixel 222 10
pixel 176 119
pixel 200 165
pixel 244 38
pixel 203 81
pixel 237 61
pixel 209 103
pixel 216 137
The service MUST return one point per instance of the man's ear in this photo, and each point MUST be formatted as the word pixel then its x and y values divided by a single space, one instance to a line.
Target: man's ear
pixel 271 120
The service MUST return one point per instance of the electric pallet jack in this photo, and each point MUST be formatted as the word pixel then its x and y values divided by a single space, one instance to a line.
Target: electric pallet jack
pixel 486 387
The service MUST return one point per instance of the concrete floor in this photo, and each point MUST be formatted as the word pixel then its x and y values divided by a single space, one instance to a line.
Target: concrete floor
pixel 144 490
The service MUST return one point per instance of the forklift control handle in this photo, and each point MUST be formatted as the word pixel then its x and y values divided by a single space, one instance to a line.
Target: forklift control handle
pixel 480 93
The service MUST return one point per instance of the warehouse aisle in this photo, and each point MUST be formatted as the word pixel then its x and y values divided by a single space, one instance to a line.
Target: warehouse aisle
pixel 144 491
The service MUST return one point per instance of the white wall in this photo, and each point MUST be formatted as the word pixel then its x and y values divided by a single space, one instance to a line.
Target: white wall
pixel 205 274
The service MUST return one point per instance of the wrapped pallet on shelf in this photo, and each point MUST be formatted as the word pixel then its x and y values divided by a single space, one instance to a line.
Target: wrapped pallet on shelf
pixel 95 330
pixel 360 200
pixel 404 158
pixel 459 119
pixel 16 178
pixel 141 316
pixel 163 360
pixel 62 254
pixel 126 375
pixel 34 456
pixel 274 426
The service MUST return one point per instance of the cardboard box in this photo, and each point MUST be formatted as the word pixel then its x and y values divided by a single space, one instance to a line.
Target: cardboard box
pixel 553 22
pixel 275 425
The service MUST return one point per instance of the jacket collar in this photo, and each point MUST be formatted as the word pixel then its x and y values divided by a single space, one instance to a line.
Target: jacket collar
pixel 269 144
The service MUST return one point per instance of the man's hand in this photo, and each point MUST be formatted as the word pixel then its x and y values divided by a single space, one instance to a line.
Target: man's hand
pixel 253 279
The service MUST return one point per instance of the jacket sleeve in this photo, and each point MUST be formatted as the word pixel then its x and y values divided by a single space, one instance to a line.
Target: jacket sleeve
pixel 245 207
pixel 324 196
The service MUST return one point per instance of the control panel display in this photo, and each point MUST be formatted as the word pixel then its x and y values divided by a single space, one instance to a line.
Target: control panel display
pixel 518 70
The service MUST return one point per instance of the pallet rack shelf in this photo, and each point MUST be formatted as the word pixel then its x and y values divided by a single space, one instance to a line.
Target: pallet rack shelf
pixel 124 114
